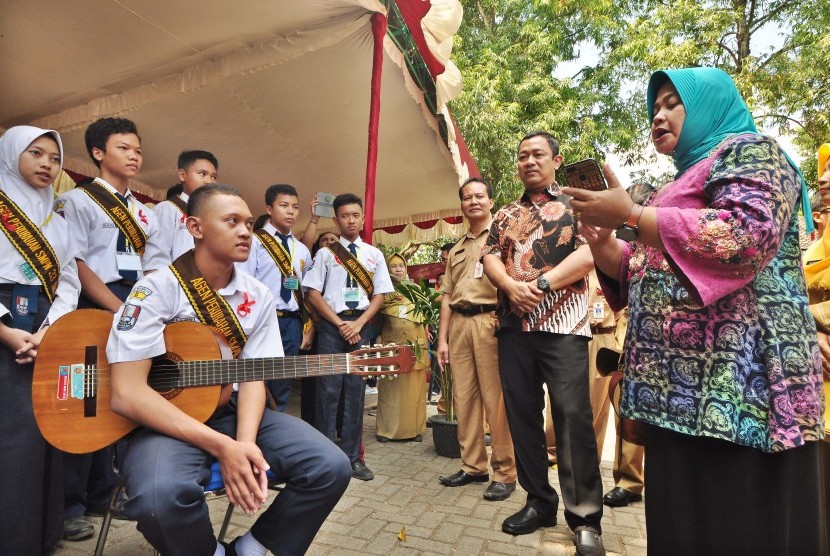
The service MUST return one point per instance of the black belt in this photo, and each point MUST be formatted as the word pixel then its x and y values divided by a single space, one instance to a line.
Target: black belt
pixel 7 287
pixel 472 310
pixel 288 314
pixel 123 282
pixel 603 329
pixel 351 313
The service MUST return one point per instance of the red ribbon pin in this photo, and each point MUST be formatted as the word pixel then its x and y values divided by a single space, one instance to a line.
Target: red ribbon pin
pixel 244 308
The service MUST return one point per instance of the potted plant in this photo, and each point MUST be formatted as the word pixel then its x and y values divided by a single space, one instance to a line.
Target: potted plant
pixel 427 308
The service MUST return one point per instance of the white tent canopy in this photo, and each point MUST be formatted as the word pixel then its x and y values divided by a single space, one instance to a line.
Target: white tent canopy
pixel 279 90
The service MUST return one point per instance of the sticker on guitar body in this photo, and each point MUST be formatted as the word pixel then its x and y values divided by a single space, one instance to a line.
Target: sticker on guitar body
pixel 63 382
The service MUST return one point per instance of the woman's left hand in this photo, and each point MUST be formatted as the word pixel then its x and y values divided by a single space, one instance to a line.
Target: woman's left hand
pixel 604 209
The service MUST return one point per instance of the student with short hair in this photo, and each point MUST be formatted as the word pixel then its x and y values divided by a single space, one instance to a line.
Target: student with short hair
pixel 111 228
pixel 346 301
pixel 195 169
pixel 34 292
pixel 168 461
pixel 279 260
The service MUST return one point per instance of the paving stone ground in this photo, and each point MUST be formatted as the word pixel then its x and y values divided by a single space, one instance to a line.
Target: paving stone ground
pixel 406 494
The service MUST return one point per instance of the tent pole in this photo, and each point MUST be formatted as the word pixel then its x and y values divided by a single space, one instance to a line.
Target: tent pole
pixel 378 34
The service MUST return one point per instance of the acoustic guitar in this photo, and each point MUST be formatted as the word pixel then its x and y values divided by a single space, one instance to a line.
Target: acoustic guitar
pixel 71 382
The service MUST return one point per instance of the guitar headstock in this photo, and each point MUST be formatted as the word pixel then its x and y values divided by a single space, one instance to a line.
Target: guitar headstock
pixel 381 360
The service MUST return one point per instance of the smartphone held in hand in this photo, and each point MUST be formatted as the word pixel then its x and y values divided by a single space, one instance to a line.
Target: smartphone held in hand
pixel 585 174
pixel 325 207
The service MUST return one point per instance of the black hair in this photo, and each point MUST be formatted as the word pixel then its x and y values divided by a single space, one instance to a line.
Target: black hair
pixel 346 199
pixel 447 246
pixel 99 132
pixel 553 143
pixel 174 191
pixel 199 198
pixel 475 180
pixel 275 191
pixel 187 158
pixel 640 192
pixel 260 221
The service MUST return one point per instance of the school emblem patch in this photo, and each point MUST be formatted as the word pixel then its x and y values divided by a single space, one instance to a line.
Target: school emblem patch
pixel 129 316
pixel 140 293
pixel 21 305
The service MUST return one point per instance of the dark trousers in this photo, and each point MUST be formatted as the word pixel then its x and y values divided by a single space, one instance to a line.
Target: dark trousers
pixel 526 361
pixel 166 480
pixel 88 479
pixel 31 475
pixel 709 496
pixel 291 332
pixel 329 389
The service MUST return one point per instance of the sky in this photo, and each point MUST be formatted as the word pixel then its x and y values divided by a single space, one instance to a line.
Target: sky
pixel 762 41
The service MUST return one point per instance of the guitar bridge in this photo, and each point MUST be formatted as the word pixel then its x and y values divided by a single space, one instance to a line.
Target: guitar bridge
pixel 90 381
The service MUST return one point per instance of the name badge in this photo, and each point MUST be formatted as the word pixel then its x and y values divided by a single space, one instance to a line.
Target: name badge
pixel 291 283
pixel 128 261
pixel 27 272
pixel 479 270
pixel 351 294
pixel 599 311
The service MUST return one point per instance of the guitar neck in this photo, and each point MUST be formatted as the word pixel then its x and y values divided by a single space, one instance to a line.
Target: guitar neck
pixel 226 371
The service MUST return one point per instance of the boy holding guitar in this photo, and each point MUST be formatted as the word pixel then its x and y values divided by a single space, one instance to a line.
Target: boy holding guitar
pixel 168 461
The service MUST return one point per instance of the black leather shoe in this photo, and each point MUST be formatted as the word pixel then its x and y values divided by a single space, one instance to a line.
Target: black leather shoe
pixel 618 497
pixel 462 478
pixel 588 542
pixel 527 520
pixel 361 472
pixel 499 491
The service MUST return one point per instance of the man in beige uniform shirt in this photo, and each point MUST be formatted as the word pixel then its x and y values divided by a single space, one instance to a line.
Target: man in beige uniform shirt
pixel 466 340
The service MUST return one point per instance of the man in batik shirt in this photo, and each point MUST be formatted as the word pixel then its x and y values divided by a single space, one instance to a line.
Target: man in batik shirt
pixel 539 264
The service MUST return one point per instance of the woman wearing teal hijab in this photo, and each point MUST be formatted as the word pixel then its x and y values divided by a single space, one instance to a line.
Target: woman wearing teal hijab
pixel 721 362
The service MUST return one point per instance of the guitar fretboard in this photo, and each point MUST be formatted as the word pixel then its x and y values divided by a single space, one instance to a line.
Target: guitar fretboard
pixel 226 371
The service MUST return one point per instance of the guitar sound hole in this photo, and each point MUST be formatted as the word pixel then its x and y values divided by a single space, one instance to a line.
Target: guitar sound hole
pixel 164 375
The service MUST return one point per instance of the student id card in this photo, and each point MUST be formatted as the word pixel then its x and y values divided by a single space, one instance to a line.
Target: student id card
pixel 291 283
pixel 351 294
pixel 128 261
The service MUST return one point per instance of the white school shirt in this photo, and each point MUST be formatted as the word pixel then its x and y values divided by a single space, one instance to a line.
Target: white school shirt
pixel 56 232
pixel 328 276
pixel 172 239
pixel 94 231
pixel 261 266
pixel 158 299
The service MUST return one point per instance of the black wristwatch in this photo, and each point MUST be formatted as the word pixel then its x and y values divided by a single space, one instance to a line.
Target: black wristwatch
pixel 542 283
pixel 630 230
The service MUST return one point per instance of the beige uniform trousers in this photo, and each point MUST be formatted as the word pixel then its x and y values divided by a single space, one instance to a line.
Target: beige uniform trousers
pixel 477 388
pixel 628 457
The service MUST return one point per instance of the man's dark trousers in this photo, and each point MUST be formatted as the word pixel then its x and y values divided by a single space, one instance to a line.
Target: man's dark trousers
pixel 526 361
pixel 353 387
pixel 291 332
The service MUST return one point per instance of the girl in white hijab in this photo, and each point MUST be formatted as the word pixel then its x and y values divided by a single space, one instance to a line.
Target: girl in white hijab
pixel 30 469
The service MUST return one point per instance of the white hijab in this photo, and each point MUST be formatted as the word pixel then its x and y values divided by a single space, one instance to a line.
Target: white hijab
pixel 35 203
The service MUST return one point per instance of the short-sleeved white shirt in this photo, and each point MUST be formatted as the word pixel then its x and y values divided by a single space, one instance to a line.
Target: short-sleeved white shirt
pixel 158 299
pixel 172 239
pixel 261 266
pixel 328 276
pixel 94 232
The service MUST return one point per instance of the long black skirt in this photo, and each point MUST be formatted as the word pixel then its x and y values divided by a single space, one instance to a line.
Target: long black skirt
pixel 31 478
pixel 707 496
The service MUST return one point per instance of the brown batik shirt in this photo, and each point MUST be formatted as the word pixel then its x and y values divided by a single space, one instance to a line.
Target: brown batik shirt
pixel 531 236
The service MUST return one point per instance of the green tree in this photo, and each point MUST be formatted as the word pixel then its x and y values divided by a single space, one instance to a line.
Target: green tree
pixel 508 51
